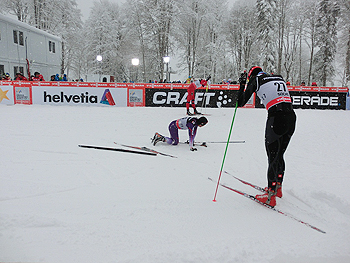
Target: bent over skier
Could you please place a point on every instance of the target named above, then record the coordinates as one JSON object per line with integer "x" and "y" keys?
{"x": 280, "y": 125}
{"x": 187, "y": 123}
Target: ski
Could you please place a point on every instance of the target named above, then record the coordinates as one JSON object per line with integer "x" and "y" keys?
{"x": 251, "y": 197}
{"x": 259, "y": 188}
{"x": 146, "y": 149}
{"x": 116, "y": 149}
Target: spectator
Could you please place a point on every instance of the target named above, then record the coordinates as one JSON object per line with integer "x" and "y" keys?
{"x": 57, "y": 77}
{"x": 7, "y": 77}
{"x": 52, "y": 78}
{"x": 188, "y": 80}
{"x": 302, "y": 83}
{"x": 38, "y": 77}
{"x": 19, "y": 76}
{"x": 314, "y": 84}
{"x": 288, "y": 83}
{"x": 64, "y": 77}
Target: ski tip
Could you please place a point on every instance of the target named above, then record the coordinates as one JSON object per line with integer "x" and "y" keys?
{"x": 214, "y": 200}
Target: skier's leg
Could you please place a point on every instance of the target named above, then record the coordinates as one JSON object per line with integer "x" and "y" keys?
{"x": 290, "y": 120}
{"x": 174, "y": 134}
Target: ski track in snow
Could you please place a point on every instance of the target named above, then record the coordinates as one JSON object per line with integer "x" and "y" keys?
{"x": 61, "y": 203}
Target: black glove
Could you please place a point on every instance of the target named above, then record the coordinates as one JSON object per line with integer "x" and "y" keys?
{"x": 243, "y": 78}
{"x": 193, "y": 149}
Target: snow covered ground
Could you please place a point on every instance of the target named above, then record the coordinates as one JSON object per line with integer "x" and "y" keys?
{"x": 61, "y": 203}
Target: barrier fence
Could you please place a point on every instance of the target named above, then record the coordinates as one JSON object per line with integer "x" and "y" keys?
{"x": 156, "y": 95}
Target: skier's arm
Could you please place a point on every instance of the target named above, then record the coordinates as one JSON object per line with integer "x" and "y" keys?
{"x": 192, "y": 130}
{"x": 244, "y": 95}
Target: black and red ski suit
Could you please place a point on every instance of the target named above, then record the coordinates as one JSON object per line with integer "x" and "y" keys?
{"x": 280, "y": 125}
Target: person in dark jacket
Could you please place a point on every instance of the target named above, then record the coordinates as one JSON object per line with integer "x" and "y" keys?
{"x": 280, "y": 125}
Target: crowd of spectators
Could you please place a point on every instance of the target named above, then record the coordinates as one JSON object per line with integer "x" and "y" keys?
{"x": 36, "y": 77}
{"x": 39, "y": 77}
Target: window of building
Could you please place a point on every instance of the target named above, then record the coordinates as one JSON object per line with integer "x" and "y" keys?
{"x": 15, "y": 37}
{"x": 18, "y": 69}
{"x": 2, "y": 70}
{"x": 21, "y": 39}
{"x": 52, "y": 47}
{"x": 18, "y": 37}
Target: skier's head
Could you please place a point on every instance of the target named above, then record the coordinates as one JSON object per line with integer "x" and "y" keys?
{"x": 254, "y": 71}
{"x": 202, "y": 121}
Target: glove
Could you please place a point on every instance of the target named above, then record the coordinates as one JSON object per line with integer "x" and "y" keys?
{"x": 193, "y": 149}
{"x": 243, "y": 78}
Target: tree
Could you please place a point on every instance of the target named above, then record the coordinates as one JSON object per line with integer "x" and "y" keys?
{"x": 19, "y": 8}
{"x": 344, "y": 41}
{"x": 266, "y": 10}
{"x": 326, "y": 39}
{"x": 190, "y": 28}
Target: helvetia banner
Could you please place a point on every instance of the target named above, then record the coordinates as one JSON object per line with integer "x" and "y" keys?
{"x": 80, "y": 96}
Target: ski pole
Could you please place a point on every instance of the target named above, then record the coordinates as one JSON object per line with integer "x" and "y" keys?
{"x": 223, "y": 159}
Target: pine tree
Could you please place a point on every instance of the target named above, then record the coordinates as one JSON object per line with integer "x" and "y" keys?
{"x": 326, "y": 40}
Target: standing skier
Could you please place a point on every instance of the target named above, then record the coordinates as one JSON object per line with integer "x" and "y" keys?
{"x": 280, "y": 125}
{"x": 187, "y": 123}
{"x": 191, "y": 97}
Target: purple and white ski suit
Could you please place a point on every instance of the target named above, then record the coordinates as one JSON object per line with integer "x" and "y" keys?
{"x": 186, "y": 123}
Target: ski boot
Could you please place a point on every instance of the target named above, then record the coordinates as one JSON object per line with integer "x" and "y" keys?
{"x": 279, "y": 190}
{"x": 157, "y": 138}
{"x": 189, "y": 113}
{"x": 196, "y": 112}
{"x": 268, "y": 198}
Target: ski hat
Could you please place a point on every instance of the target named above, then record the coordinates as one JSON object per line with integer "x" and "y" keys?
{"x": 254, "y": 71}
{"x": 203, "y": 82}
{"x": 202, "y": 121}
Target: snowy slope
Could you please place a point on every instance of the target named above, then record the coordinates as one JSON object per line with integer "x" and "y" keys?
{"x": 61, "y": 203}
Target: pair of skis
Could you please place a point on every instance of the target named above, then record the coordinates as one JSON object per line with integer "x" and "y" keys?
{"x": 261, "y": 189}
{"x": 135, "y": 149}
{"x": 146, "y": 149}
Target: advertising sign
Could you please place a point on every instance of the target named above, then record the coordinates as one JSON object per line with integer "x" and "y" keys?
{"x": 6, "y": 95}
{"x": 178, "y": 98}
{"x": 23, "y": 95}
{"x": 79, "y": 96}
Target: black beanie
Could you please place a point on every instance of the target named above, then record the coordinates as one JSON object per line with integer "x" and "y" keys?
{"x": 202, "y": 120}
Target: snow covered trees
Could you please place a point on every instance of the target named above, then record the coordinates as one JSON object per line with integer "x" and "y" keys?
{"x": 326, "y": 40}
{"x": 304, "y": 40}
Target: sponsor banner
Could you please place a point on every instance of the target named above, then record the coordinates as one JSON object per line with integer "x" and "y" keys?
{"x": 6, "y": 94}
{"x": 213, "y": 98}
{"x": 136, "y": 97}
{"x": 314, "y": 100}
{"x": 319, "y": 100}
{"x": 23, "y": 94}
{"x": 79, "y": 96}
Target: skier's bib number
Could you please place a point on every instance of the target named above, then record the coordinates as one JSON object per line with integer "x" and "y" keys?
{"x": 273, "y": 92}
